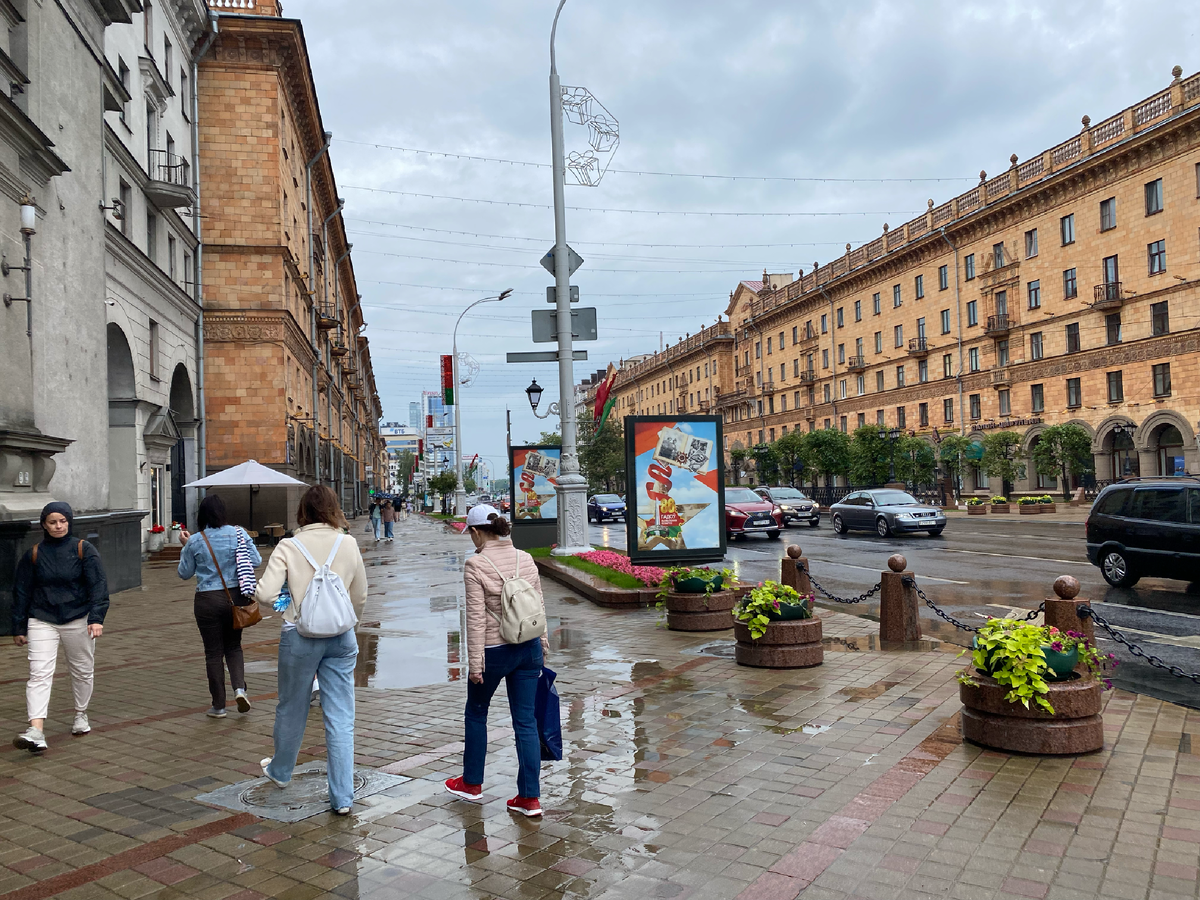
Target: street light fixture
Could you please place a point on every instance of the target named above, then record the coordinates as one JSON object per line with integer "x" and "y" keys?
{"x": 534, "y": 392}
{"x": 893, "y": 437}
{"x": 460, "y": 493}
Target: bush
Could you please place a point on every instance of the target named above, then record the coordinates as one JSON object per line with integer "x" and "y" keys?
{"x": 975, "y": 501}
{"x": 998, "y": 499}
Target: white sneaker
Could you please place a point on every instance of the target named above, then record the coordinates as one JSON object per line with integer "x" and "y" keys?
{"x": 266, "y": 762}
{"x": 81, "y": 725}
{"x": 31, "y": 739}
{"x": 243, "y": 702}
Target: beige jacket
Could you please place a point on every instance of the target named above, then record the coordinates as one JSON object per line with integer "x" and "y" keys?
{"x": 483, "y": 594}
{"x": 288, "y": 564}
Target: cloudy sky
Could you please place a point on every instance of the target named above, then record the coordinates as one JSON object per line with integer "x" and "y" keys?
{"x": 893, "y": 103}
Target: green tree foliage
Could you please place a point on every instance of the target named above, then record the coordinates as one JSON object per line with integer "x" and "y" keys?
{"x": 1000, "y": 449}
{"x": 792, "y": 461}
{"x": 953, "y": 454}
{"x": 827, "y": 452}
{"x": 602, "y": 456}
{"x": 1063, "y": 450}
{"x": 444, "y": 484}
{"x": 870, "y": 455}
{"x": 500, "y": 486}
{"x": 549, "y": 439}
{"x": 469, "y": 484}
{"x": 766, "y": 463}
{"x": 404, "y": 468}
{"x": 916, "y": 461}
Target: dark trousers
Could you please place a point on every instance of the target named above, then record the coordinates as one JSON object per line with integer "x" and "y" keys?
{"x": 519, "y": 666}
{"x": 222, "y": 643}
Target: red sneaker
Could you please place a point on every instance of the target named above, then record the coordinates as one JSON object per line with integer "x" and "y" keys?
{"x": 460, "y": 788}
{"x": 526, "y": 806}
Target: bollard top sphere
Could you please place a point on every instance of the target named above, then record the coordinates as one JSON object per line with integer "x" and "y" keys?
{"x": 897, "y": 563}
{"x": 794, "y": 551}
{"x": 1066, "y": 587}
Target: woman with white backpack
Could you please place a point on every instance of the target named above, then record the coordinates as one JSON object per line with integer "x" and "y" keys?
{"x": 506, "y": 641}
{"x": 316, "y": 578}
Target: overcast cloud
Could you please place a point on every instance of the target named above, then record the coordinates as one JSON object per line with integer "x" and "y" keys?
{"x": 931, "y": 90}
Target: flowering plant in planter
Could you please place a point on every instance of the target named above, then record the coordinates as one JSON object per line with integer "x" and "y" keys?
{"x": 1028, "y": 501}
{"x": 1045, "y": 498}
{"x": 712, "y": 579}
{"x": 177, "y": 526}
{"x": 650, "y": 576}
{"x": 765, "y": 602}
{"x": 157, "y": 529}
{"x": 975, "y": 501}
{"x": 999, "y": 501}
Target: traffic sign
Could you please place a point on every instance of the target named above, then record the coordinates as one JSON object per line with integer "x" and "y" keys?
{"x": 552, "y": 294}
{"x": 574, "y": 261}
{"x": 543, "y": 356}
{"x": 545, "y": 324}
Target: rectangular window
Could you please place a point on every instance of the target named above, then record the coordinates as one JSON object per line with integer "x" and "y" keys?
{"x": 1073, "y": 337}
{"x": 879, "y": 417}
{"x": 1154, "y": 197}
{"x": 1070, "y": 288}
{"x": 1112, "y": 328}
{"x": 1035, "y": 294}
{"x": 1198, "y": 179}
{"x": 843, "y": 424}
{"x": 947, "y": 365}
{"x": 795, "y": 368}
{"x": 973, "y": 359}
{"x": 900, "y": 376}
{"x": 922, "y": 370}
{"x": 824, "y": 324}
{"x": 825, "y": 358}
{"x": 972, "y": 312}
{"x": 1031, "y": 243}
{"x": 841, "y": 354}
{"x": 895, "y": 296}
{"x": 1074, "y": 397}
{"x": 879, "y": 380}
{"x": 857, "y": 310}
{"x": 875, "y": 302}
{"x": 898, "y": 334}
{"x": 769, "y": 346}
{"x": 919, "y": 286}
{"x": 862, "y": 385}
{"x": 152, "y": 236}
{"x": 1035, "y": 345}
{"x": 862, "y": 419}
{"x": 1002, "y": 303}
{"x": 1116, "y": 392}
{"x": 1066, "y": 226}
{"x": 858, "y": 347}
{"x": 943, "y": 277}
{"x": 154, "y": 350}
{"x": 187, "y": 272}
{"x": 125, "y": 196}
{"x": 842, "y": 389}
{"x": 945, "y": 321}
{"x": 1162, "y": 380}
{"x": 1108, "y": 214}
{"x": 841, "y": 321}
{"x": 973, "y": 403}
{"x": 948, "y": 411}
{"x": 123, "y": 77}
{"x": 1005, "y": 402}
{"x": 171, "y": 256}
{"x": 758, "y": 350}
{"x": 783, "y": 371}
{"x": 1037, "y": 398}
{"x": 879, "y": 342}
{"x": 1156, "y": 257}
{"x": 900, "y": 417}
{"x": 771, "y": 404}
{"x": 1002, "y": 353}
{"x": 184, "y": 96}
{"x": 998, "y": 255}
{"x": 921, "y": 328}
{"x": 1160, "y": 322}
{"x": 781, "y": 341}
{"x": 168, "y": 64}
{"x": 826, "y": 392}
{"x": 969, "y": 266}
{"x": 923, "y": 415}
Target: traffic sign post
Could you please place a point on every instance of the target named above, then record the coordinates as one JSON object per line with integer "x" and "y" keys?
{"x": 545, "y": 324}
{"x": 552, "y": 294}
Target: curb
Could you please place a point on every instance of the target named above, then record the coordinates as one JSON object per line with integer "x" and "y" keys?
{"x": 595, "y": 589}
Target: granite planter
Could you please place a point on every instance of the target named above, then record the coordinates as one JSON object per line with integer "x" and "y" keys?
{"x": 1074, "y": 727}
{"x": 978, "y": 509}
{"x": 1000, "y": 509}
{"x": 1047, "y": 507}
{"x": 154, "y": 542}
{"x": 1029, "y": 509}
{"x": 785, "y": 645}
{"x": 700, "y": 611}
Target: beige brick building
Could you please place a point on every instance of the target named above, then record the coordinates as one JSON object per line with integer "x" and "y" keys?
{"x": 289, "y": 381}
{"x": 1066, "y": 289}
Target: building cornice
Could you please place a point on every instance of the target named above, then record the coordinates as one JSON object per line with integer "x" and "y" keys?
{"x": 269, "y": 326}
{"x": 128, "y": 253}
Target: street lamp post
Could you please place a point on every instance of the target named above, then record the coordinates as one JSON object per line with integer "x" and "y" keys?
{"x": 893, "y": 437}
{"x": 460, "y": 493}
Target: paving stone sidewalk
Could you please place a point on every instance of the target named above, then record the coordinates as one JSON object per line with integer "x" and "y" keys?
{"x": 686, "y": 776}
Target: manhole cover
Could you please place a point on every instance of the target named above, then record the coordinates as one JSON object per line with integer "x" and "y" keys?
{"x": 719, "y": 649}
{"x": 307, "y": 795}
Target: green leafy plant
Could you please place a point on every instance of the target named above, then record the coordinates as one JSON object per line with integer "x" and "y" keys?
{"x": 998, "y": 500}
{"x": 710, "y": 577}
{"x": 1027, "y": 501}
{"x": 975, "y": 501}
{"x": 1045, "y": 498}
{"x": 754, "y": 609}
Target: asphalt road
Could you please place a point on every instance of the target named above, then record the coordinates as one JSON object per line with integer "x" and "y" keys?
{"x": 982, "y": 567}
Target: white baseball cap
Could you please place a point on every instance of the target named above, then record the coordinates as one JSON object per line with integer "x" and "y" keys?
{"x": 478, "y": 515}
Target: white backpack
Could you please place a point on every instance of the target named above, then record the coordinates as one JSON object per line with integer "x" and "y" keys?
{"x": 521, "y": 615}
{"x": 326, "y": 610}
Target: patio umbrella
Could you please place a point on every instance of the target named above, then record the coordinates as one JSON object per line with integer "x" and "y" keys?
{"x": 249, "y": 475}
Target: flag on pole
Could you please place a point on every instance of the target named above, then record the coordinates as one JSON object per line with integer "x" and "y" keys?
{"x": 474, "y": 462}
{"x": 604, "y": 398}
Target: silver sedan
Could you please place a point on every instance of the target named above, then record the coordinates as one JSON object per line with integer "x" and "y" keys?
{"x": 885, "y": 511}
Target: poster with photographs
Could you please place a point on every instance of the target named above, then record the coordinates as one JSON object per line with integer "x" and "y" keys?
{"x": 533, "y": 484}
{"x": 677, "y": 489}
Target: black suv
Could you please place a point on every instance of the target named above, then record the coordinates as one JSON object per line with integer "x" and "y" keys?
{"x": 1146, "y": 527}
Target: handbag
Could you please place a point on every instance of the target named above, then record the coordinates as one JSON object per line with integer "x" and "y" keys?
{"x": 244, "y": 615}
{"x": 546, "y": 712}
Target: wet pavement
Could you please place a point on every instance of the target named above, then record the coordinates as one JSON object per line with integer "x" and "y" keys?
{"x": 685, "y": 775}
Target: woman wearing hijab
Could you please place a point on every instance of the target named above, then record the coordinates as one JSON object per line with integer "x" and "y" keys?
{"x": 211, "y": 555}
{"x": 60, "y": 595}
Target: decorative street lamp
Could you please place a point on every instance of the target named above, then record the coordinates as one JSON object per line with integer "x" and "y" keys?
{"x": 893, "y": 437}
{"x": 534, "y": 392}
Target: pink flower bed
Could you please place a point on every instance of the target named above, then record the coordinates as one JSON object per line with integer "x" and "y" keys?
{"x": 648, "y": 575}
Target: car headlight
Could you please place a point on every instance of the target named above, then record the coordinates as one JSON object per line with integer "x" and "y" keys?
{"x": 777, "y": 511}
{"x": 904, "y": 515}
{"x": 784, "y": 507}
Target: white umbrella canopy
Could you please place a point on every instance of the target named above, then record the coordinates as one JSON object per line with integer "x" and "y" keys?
{"x": 246, "y": 474}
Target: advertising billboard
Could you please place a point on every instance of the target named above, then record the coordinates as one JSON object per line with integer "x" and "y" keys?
{"x": 532, "y": 488}
{"x": 677, "y": 487}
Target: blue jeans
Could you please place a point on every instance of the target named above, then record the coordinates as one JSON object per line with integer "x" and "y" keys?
{"x": 375, "y": 525}
{"x": 301, "y": 658}
{"x": 387, "y": 529}
{"x": 519, "y": 666}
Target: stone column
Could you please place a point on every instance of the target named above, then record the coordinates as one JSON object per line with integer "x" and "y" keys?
{"x": 793, "y": 571}
{"x": 1062, "y": 611}
{"x": 898, "y": 617}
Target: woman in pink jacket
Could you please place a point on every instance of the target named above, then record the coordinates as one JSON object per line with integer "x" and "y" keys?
{"x": 491, "y": 660}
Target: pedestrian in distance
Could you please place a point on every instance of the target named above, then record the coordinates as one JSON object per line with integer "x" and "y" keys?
{"x": 492, "y": 660}
{"x": 60, "y": 596}
{"x": 319, "y": 543}
{"x": 376, "y": 514}
{"x": 211, "y": 556}
{"x": 388, "y": 514}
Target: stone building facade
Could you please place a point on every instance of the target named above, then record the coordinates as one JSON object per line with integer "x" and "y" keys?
{"x": 289, "y": 380}
{"x": 1066, "y": 289}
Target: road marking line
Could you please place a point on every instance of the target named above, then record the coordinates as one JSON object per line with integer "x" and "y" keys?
{"x": 1074, "y": 562}
{"x": 869, "y": 569}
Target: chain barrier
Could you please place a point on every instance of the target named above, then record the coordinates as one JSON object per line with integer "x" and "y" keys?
{"x": 1086, "y": 612}
{"x": 911, "y": 582}
{"x": 836, "y": 599}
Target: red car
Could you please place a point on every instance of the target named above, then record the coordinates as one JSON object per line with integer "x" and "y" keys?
{"x": 748, "y": 513}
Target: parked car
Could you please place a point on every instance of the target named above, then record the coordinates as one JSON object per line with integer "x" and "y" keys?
{"x": 1146, "y": 527}
{"x": 602, "y": 507}
{"x": 748, "y": 513}
{"x": 794, "y": 504}
{"x": 885, "y": 511}
{"x": 505, "y": 504}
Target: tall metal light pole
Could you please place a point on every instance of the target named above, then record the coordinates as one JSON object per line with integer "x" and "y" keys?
{"x": 571, "y": 487}
{"x": 460, "y": 493}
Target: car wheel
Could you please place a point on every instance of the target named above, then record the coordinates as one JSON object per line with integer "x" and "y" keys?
{"x": 934, "y": 532}
{"x": 838, "y": 526}
{"x": 882, "y": 528}
{"x": 773, "y": 535}
{"x": 1115, "y": 568}
{"x": 813, "y": 523}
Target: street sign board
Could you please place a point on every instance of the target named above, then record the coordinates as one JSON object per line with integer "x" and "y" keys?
{"x": 545, "y": 325}
{"x": 543, "y": 356}
{"x": 552, "y": 294}
{"x": 574, "y": 261}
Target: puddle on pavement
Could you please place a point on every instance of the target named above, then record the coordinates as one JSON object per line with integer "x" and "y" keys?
{"x": 870, "y": 692}
{"x": 863, "y": 642}
{"x": 717, "y": 649}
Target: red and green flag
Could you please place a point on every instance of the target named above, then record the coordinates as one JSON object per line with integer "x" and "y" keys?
{"x": 605, "y": 398}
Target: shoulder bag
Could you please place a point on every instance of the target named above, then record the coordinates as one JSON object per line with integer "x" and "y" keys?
{"x": 243, "y": 615}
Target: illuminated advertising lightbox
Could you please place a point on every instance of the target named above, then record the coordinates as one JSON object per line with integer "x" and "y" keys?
{"x": 675, "y": 467}
{"x": 534, "y": 480}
